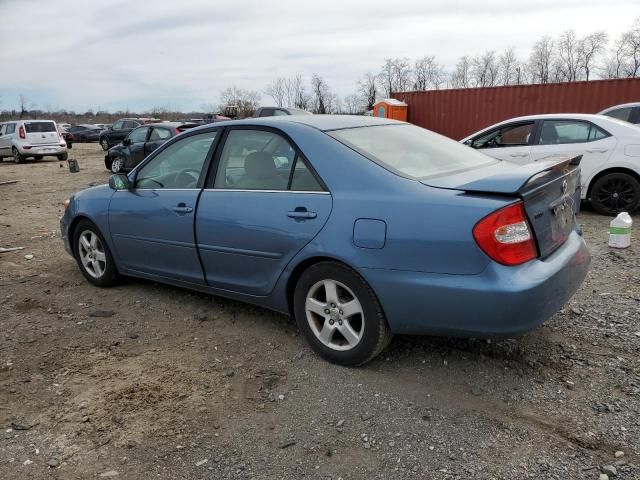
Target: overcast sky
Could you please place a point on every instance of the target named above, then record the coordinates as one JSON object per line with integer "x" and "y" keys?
{"x": 118, "y": 54}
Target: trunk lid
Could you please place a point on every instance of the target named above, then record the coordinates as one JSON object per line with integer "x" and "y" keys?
{"x": 41, "y": 133}
{"x": 549, "y": 188}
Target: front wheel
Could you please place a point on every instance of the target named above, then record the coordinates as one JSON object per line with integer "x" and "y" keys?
{"x": 117, "y": 165}
{"x": 104, "y": 143}
{"x": 614, "y": 193}
{"x": 93, "y": 255}
{"x": 339, "y": 314}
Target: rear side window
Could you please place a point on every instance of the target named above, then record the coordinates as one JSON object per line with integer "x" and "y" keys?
{"x": 40, "y": 127}
{"x": 558, "y": 132}
{"x": 411, "y": 151}
{"x": 11, "y": 128}
{"x": 159, "y": 134}
{"x": 621, "y": 113}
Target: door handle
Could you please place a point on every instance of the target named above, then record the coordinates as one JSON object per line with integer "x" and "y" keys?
{"x": 597, "y": 150}
{"x": 521, "y": 154}
{"x": 302, "y": 213}
{"x": 182, "y": 208}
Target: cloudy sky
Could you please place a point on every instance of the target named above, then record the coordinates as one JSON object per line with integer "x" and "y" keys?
{"x": 118, "y": 54}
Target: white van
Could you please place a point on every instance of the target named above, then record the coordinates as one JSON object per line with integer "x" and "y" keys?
{"x": 35, "y": 139}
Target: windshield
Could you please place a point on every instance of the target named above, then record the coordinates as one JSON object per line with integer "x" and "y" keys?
{"x": 411, "y": 151}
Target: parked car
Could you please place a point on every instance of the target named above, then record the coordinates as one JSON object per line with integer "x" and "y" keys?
{"x": 64, "y": 126}
{"x": 279, "y": 111}
{"x": 120, "y": 129}
{"x": 35, "y": 139}
{"x": 84, "y": 133}
{"x": 629, "y": 112}
{"x": 68, "y": 137}
{"x": 610, "y": 151}
{"x": 360, "y": 227}
{"x": 141, "y": 142}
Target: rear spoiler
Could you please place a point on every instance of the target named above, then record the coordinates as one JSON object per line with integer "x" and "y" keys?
{"x": 512, "y": 181}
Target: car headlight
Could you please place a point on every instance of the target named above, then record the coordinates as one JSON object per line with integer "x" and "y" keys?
{"x": 66, "y": 203}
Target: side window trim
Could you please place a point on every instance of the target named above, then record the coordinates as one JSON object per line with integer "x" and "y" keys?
{"x": 222, "y": 139}
{"x": 534, "y": 132}
{"x": 591, "y": 125}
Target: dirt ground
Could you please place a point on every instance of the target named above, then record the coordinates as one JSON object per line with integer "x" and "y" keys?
{"x": 145, "y": 380}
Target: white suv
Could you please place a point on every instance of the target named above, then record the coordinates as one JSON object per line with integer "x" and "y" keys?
{"x": 22, "y": 139}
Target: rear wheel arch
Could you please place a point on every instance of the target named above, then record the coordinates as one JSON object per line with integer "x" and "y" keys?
{"x": 601, "y": 174}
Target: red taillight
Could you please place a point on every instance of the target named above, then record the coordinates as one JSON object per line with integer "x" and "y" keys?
{"x": 21, "y": 133}
{"x": 505, "y": 236}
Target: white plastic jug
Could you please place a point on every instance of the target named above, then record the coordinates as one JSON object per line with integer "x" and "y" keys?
{"x": 620, "y": 231}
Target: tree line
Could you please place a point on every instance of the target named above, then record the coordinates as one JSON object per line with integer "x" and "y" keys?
{"x": 565, "y": 58}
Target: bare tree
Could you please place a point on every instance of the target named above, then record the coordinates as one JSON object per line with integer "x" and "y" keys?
{"x": 323, "y": 100}
{"x": 590, "y": 48}
{"x": 540, "y": 60}
{"x": 509, "y": 67}
{"x": 354, "y": 104}
{"x": 278, "y": 91}
{"x": 395, "y": 76}
{"x": 614, "y": 65}
{"x": 25, "y": 105}
{"x": 367, "y": 88}
{"x": 461, "y": 76}
{"x": 428, "y": 74}
{"x": 246, "y": 101}
{"x": 484, "y": 69}
{"x": 569, "y": 55}
{"x": 631, "y": 41}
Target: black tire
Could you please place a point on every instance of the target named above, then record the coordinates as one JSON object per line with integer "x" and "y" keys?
{"x": 38, "y": 157}
{"x": 371, "y": 325}
{"x": 107, "y": 163}
{"x": 104, "y": 143}
{"x": 63, "y": 156}
{"x": 614, "y": 193}
{"x": 117, "y": 165}
{"x": 110, "y": 276}
{"x": 17, "y": 156}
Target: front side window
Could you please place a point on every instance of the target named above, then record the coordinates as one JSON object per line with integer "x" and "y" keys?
{"x": 411, "y": 151}
{"x": 262, "y": 160}
{"x": 620, "y": 113}
{"x": 118, "y": 125}
{"x": 177, "y": 166}
{"x": 138, "y": 135}
{"x": 277, "y": 112}
{"x": 159, "y": 134}
{"x": 555, "y": 132}
{"x": 266, "y": 112}
{"x": 512, "y": 135}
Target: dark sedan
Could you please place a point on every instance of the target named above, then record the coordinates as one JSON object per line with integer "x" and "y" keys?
{"x": 141, "y": 142}
{"x": 117, "y": 131}
{"x": 85, "y": 133}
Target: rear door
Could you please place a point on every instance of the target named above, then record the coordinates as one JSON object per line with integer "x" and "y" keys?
{"x": 157, "y": 137}
{"x": 263, "y": 206}
{"x": 511, "y": 141}
{"x": 5, "y": 139}
{"x": 572, "y": 138}
{"x": 41, "y": 133}
{"x": 137, "y": 138}
{"x": 152, "y": 226}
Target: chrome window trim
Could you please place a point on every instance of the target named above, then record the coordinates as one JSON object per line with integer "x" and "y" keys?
{"x": 264, "y": 191}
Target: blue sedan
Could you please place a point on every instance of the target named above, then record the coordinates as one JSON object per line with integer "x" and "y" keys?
{"x": 359, "y": 227}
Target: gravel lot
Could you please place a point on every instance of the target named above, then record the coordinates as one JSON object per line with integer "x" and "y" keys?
{"x": 146, "y": 380}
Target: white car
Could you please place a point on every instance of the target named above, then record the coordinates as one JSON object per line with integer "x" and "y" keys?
{"x": 610, "y": 150}
{"x": 629, "y": 112}
{"x": 22, "y": 139}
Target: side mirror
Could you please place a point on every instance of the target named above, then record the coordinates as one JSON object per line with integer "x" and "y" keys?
{"x": 120, "y": 181}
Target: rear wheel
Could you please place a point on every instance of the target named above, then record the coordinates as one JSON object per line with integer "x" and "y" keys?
{"x": 93, "y": 255}
{"x": 614, "y": 193}
{"x": 63, "y": 156}
{"x": 17, "y": 156}
{"x": 104, "y": 143}
{"x": 339, "y": 314}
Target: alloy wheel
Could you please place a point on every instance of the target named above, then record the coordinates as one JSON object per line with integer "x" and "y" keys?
{"x": 616, "y": 194}
{"x": 105, "y": 144}
{"x": 335, "y": 315}
{"x": 92, "y": 255}
{"x": 116, "y": 165}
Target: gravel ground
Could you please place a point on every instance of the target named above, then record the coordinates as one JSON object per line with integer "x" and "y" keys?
{"x": 145, "y": 380}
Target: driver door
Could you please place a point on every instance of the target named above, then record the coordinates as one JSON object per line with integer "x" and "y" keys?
{"x": 511, "y": 142}
{"x": 137, "y": 139}
{"x": 152, "y": 226}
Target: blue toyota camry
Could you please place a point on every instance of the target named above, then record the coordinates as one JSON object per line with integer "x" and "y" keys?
{"x": 359, "y": 227}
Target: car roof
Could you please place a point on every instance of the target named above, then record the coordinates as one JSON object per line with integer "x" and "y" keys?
{"x": 167, "y": 124}
{"x": 320, "y": 122}
{"x": 622, "y": 105}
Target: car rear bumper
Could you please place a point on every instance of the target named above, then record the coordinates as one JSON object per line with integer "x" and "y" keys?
{"x": 42, "y": 149}
{"x": 500, "y": 301}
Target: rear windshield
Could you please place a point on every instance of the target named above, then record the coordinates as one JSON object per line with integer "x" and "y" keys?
{"x": 39, "y": 127}
{"x": 411, "y": 151}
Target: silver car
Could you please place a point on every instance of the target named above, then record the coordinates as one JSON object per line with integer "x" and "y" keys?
{"x": 22, "y": 139}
